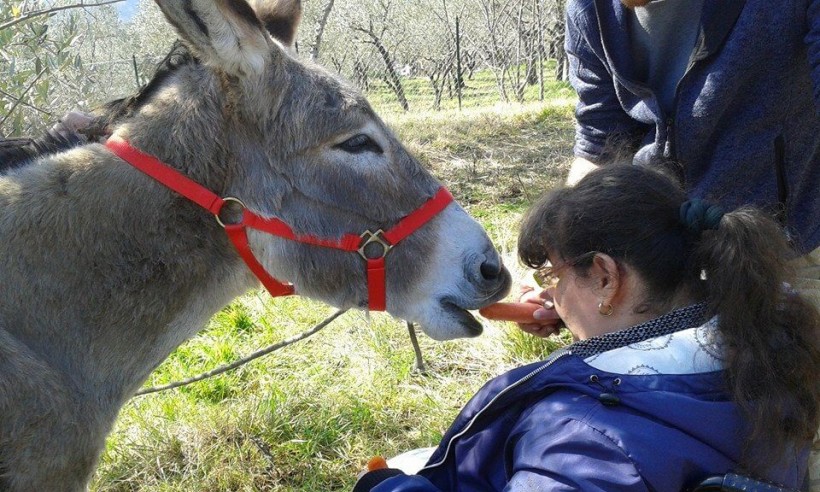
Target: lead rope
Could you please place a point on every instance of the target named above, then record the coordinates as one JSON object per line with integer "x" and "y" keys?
{"x": 273, "y": 348}
{"x": 244, "y": 360}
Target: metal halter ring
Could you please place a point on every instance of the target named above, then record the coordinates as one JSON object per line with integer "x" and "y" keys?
{"x": 225, "y": 201}
{"x": 374, "y": 237}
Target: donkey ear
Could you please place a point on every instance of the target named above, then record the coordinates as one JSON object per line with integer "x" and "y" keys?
{"x": 280, "y": 17}
{"x": 225, "y": 34}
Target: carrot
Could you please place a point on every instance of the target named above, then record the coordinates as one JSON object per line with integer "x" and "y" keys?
{"x": 518, "y": 312}
{"x": 376, "y": 463}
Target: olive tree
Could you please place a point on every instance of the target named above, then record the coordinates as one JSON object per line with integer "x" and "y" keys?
{"x": 47, "y": 59}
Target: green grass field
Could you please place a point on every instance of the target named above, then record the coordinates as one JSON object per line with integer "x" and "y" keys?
{"x": 306, "y": 418}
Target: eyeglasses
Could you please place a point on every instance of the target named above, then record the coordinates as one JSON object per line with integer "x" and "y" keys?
{"x": 546, "y": 276}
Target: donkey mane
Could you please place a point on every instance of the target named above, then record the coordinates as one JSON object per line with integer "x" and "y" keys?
{"x": 16, "y": 152}
{"x": 119, "y": 109}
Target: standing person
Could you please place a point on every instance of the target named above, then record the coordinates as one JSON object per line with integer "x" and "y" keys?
{"x": 724, "y": 93}
{"x": 729, "y": 90}
{"x": 694, "y": 357}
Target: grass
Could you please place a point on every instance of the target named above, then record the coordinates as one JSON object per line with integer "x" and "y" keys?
{"x": 306, "y": 418}
{"x": 480, "y": 91}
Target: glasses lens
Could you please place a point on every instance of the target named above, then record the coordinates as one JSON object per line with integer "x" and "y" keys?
{"x": 545, "y": 278}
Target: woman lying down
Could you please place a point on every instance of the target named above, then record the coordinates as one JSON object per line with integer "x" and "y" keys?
{"x": 693, "y": 356}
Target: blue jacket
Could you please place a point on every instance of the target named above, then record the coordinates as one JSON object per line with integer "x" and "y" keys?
{"x": 746, "y": 125}
{"x": 567, "y": 425}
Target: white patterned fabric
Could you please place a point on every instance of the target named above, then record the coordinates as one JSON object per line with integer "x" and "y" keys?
{"x": 689, "y": 351}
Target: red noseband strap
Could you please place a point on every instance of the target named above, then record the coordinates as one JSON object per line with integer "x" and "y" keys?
{"x": 238, "y": 233}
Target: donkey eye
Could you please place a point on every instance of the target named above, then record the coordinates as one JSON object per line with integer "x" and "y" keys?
{"x": 360, "y": 143}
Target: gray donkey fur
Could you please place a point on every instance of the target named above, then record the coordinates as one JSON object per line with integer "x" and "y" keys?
{"x": 103, "y": 272}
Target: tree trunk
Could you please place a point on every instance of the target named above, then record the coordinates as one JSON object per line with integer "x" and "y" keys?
{"x": 392, "y": 77}
{"x": 320, "y": 31}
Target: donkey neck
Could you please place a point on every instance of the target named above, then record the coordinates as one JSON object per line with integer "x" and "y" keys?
{"x": 185, "y": 125}
{"x": 125, "y": 269}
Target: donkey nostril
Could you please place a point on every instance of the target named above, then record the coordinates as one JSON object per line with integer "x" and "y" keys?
{"x": 490, "y": 270}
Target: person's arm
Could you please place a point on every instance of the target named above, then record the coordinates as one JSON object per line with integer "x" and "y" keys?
{"x": 569, "y": 457}
{"x": 392, "y": 480}
{"x": 576, "y": 457}
{"x": 813, "y": 44}
{"x": 601, "y": 121}
{"x": 580, "y": 168}
{"x": 65, "y": 134}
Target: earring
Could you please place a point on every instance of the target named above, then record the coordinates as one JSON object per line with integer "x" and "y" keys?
{"x": 605, "y": 310}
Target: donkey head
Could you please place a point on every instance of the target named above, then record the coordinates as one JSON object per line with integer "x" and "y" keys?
{"x": 294, "y": 142}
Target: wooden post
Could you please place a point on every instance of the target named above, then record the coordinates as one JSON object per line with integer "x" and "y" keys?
{"x": 459, "y": 79}
{"x": 136, "y": 72}
{"x": 540, "y": 21}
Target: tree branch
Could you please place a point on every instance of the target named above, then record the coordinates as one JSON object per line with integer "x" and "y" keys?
{"x": 37, "y": 13}
{"x": 23, "y": 103}
{"x": 23, "y": 95}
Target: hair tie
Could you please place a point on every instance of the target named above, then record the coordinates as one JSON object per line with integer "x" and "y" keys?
{"x": 697, "y": 215}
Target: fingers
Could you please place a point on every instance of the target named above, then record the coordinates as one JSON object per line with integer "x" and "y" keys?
{"x": 548, "y": 322}
{"x": 528, "y": 294}
{"x": 541, "y": 330}
{"x": 75, "y": 121}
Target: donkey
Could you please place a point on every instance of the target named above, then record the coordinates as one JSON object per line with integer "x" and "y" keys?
{"x": 104, "y": 270}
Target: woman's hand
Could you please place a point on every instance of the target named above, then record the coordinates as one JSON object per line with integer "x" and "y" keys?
{"x": 547, "y": 320}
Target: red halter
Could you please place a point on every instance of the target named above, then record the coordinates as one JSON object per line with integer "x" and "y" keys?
{"x": 376, "y": 281}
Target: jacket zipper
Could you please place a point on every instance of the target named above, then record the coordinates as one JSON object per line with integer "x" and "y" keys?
{"x": 780, "y": 175}
{"x": 490, "y": 403}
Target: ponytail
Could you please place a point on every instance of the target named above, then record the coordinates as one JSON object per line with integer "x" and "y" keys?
{"x": 769, "y": 332}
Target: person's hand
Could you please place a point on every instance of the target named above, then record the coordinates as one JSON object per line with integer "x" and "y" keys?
{"x": 376, "y": 471}
{"x": 548, "y": 322}
{"x": 72, "y": 127}
{"x": 374, "y": 463}
{"x": 75, "y": 121}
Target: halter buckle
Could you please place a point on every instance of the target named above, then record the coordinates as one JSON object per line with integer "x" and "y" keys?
{"x": 225, "y": 201}
{"x": 374, "y": 237}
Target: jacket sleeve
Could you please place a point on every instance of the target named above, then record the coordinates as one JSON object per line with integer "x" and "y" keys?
{"x": 813, "y": 45}
{"x": 406, "y": 483}
{"x": 599, "y": 114}
{"x": 576, "y": 457}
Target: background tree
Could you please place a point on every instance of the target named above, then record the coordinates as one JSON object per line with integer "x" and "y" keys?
{"x": 61, "y": 55}
{"x": 48, "y": 59}
{"x": 505, "y": 37}
{"x": 377, "y": 24}
{"x": 321, "y": 23}
{"x": 435, "y": 56}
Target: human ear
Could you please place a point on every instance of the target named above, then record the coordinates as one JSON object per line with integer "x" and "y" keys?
{"x": 606, "y": 277}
